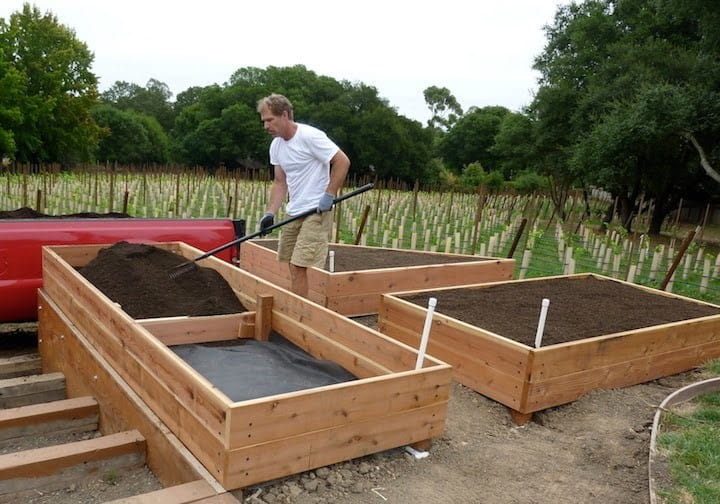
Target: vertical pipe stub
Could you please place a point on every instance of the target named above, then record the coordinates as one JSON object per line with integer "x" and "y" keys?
{"x": 541, "y": 323}
{"x": 432, "y": 302}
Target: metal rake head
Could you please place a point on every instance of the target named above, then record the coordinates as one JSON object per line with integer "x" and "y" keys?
{"x": 181, "y": 269}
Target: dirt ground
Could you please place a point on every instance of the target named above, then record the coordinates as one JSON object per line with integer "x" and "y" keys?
{"x": 592, "y": 450}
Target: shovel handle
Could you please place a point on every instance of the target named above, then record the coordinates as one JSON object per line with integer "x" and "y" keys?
{"x": 268, "y": 229}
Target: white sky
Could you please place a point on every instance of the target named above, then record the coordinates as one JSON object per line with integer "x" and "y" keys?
{"x": 481, "y": 50}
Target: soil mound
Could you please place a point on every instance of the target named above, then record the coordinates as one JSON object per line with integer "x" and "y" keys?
{"x": 136, "y": 276}
{"x": 29, "y": 213}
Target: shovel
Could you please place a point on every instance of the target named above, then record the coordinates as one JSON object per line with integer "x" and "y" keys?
{"x": 188, "y": 266}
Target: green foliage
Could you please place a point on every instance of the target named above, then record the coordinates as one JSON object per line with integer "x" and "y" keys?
{"x": 130, "y": 137}
{"x": 692, "y": 446}
{"x": 472, "y": 138}
{"x": 625, "y": 85}
{"x": 44, "y": 61}
{"x": 529, "y": 181}
{"x": 152, "y": 100}
{"x": 443, "y": 106}
{"x": 514, "y": 143}
{"x": 13, "y": 90}
{"x": 472, "y": 175}
{"x": 713, "y": 367}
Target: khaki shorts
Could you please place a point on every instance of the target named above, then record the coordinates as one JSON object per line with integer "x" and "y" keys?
{"x": 304, "y": 242}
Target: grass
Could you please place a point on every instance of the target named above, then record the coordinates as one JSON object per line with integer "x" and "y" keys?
{"x": 691, "y": 443}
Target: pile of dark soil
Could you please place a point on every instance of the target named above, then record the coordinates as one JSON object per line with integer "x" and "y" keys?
{"x": 364, "y": 258}
{"x": 29, "y": 213}
{"x": 136, "y": 276}
{"x": 579, "y": 308}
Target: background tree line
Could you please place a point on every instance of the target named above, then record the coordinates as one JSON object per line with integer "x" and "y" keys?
{"x": 628, "y": 100}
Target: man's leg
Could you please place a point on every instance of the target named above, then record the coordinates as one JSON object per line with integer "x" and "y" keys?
{"x": 299, "y": 281}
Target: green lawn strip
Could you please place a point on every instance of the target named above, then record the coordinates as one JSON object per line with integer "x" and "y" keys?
{"x": 690, "y": 441}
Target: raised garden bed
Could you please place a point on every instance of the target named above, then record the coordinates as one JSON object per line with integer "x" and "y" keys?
{"x": 362, "y": 274}
{"x": 600, "y": 333}
{"x": 390, "y": 403}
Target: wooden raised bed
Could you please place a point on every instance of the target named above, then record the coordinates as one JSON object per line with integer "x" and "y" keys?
{"x": 527, "y": 379}
{"x": 242, "y": 443}
{"x": 355, "y": 293}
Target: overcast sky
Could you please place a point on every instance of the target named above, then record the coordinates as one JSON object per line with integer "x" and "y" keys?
{"x": 481, "y": 50}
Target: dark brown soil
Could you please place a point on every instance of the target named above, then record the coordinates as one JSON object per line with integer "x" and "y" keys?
{"x": 29, "y": 213}
{"x": 136, "y": 276}
{"x": 579, "y": 308}
{"x": 361, "y": 258}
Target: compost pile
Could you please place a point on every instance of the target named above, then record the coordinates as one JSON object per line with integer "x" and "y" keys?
{"x": 29, "y": 213}
{"x": 136, "y": 276}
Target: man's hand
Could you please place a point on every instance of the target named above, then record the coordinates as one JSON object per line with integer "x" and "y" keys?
{"x": 326, "y": 202}
{"x": 267, "y": 221}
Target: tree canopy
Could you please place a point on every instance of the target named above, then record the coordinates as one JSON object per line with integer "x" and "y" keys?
{"x": 50, "y": 89}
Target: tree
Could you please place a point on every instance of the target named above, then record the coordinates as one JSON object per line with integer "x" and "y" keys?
{"x": 152, "y": 100}
{"x": 629, "y": 98}
{"x": 11, "y": 98}
{"x": 130, "y": 137}
{"x": 472, "y": 138}
{"x": 443, "y": 106}
{"x": 513, "y": 144}
{"x": 52, "y": 67}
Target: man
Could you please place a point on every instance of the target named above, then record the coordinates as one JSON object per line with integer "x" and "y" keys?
{"x": 311, "y": 169}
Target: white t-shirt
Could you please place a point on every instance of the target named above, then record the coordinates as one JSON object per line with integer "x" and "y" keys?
{"x": 305, "y": 159}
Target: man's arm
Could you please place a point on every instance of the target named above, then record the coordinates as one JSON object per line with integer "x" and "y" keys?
{"x": 278, "y": 191}
{"x": 339, "y": 167}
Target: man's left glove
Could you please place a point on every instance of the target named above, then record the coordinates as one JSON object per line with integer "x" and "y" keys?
{"x": 326, "y": 202}
{"x": 267, "y": 221}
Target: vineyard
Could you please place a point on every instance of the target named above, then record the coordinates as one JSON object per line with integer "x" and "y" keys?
{"x": 469, "y": 223}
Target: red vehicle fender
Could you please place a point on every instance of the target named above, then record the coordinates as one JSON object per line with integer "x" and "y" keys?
{"x": 21, "y": 242}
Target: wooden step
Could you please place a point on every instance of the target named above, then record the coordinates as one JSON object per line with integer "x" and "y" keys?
{"x": 54, "y": 467}
{"x": 20, "y": 365}
{"x": 68, "y": 415}
{"x": 178, "y": 494}
{"x": 226, "y": 498}
{"x": 34, "y": 389}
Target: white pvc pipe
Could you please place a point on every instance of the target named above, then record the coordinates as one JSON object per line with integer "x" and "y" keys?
{"x": 331, "y": 261}
{"x": 541, "y": 322}
{"x": 432, "y": 302}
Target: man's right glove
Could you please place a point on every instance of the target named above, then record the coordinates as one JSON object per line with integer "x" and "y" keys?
{"x": 267, "y": 220}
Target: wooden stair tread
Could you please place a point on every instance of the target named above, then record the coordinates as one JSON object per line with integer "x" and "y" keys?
{"x": 67, "y": 415}
{"x": 47, "y": 460}
{"x": 20, "y": 365}
{"x": 179, "y": 494}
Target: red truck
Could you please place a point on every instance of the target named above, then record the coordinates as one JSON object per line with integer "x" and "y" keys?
{"x": 21, "y": 241}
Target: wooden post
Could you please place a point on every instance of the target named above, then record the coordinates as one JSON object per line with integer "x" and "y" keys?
{"x": 478, "y": 218}
{"x": 125, "y": 202}
{"x": 704, "y": 221}
{"x": 517, "y": 238}
{"x": 38, "y": 200}
{"x": 263, "y": 317}
{"x": 678, "y": 257}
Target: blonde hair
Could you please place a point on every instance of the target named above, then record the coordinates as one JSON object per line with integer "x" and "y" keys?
{"x": 276, "y": 104}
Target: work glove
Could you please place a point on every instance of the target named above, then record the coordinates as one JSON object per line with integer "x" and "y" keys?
{"x": 326, "y": 202}
{"x": 267, "y": 220}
